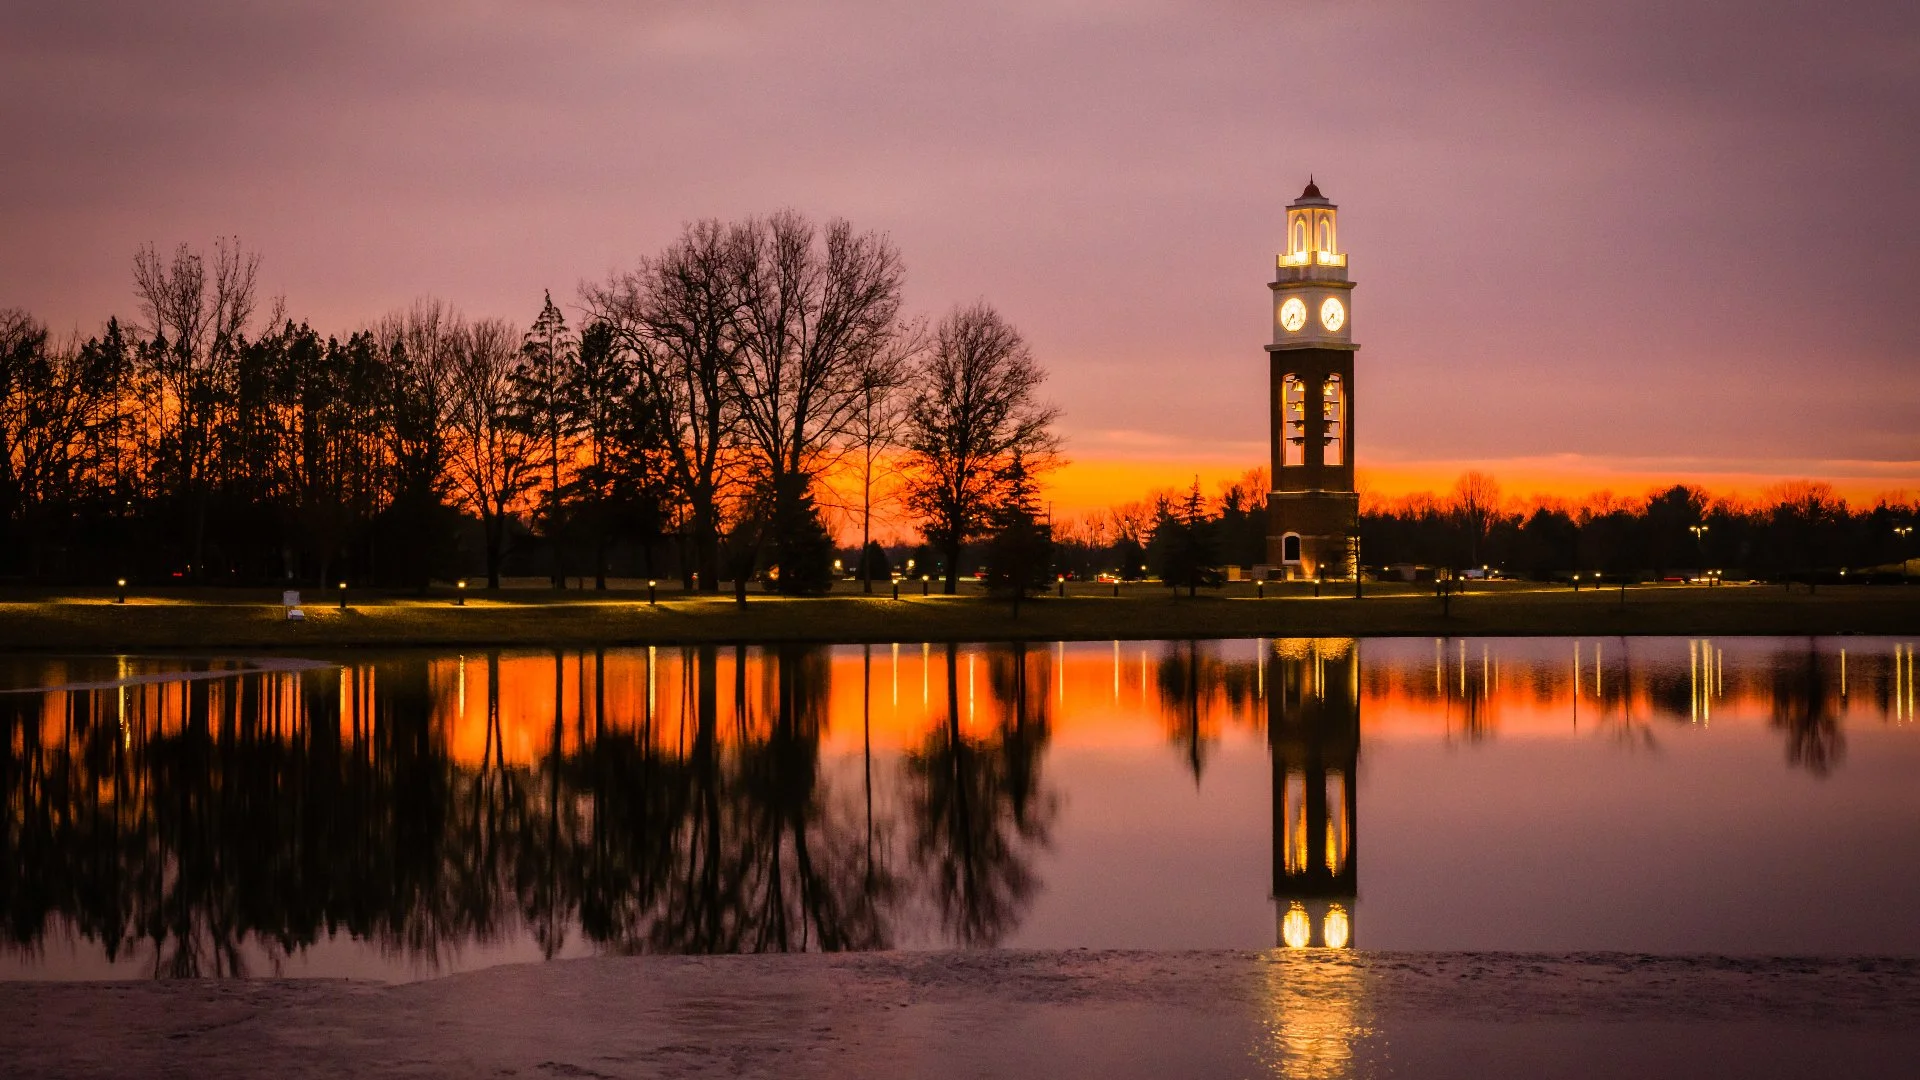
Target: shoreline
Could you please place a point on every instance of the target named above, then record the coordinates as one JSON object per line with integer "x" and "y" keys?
{"x": 249, "y": 620}
{"x": 993, "y": 1013}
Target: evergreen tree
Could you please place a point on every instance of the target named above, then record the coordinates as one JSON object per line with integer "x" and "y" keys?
{"x": 801, "y": 548}
{"x": 543, "y": 385}
{"x": 874, "y": 564}
{"x": 1020, "y": 551}
{"x": 1183, "y": 542}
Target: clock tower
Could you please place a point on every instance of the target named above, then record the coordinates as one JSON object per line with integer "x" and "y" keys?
{"x": 1313, "y": 509}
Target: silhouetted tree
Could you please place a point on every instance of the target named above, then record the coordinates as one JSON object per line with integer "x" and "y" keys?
{"x": 974, "y": 407}
{"x": 1020, "y": 551}
{"x": 1182, "y": 544}
{"x": 544, "y": 382}
{"x": 492, "y": 453}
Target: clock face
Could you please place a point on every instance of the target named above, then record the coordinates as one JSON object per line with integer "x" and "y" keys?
{"x": 1293, "y": 314}
{"x": 1333, "y": 315}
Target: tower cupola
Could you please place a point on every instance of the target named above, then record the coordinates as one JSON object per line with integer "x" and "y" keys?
{"x": 1313, "y": 237}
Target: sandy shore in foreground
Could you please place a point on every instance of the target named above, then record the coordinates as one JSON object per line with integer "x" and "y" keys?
{"x": 995, "y": 1014}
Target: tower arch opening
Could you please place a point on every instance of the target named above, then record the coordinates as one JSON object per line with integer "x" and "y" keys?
{"x": 1333, "y": 421}
{"x": 1293, "y": 414}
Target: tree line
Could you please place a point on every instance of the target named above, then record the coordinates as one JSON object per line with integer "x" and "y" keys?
{"x": 1795, "y": 531}
{"x": 715, "y": 399}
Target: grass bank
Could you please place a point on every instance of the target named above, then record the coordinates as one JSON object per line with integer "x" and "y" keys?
{"x": 254, "y": 620}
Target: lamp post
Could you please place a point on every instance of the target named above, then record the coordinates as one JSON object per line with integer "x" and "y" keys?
{"x": 1699, "y": 540}
{"x": 653, "y": 598}
{"x": 1062, "y": 580}
{"x": 896, "y": 586}
{"x": 924, "y": 580}
{"x": 122, "y": 583}
{"x": 1353, "y": 549}
{"x": 1576, "y": 583}
{"x": 1903, "y": 531}
{"x": 343, "y": 596}
{"x": 460, "y": 597}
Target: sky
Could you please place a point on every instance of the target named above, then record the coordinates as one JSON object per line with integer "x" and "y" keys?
{"x": 1596, "y": 245}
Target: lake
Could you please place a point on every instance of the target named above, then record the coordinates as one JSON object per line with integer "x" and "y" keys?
{"x": 399, "y": 816}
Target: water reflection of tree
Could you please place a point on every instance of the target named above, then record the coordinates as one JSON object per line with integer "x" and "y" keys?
{"x": 1196, "y": 687}
{"x": 977, "y": 805}
{"x": 250, "y": 819}
{"x": 1803, "y": 707}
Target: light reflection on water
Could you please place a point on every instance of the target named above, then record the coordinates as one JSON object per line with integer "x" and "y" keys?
{"x": 1317, "y": 1022}
{"x": 416, "y": 814}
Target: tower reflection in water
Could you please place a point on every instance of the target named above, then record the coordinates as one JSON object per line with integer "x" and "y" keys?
{"x": 1316, "y": 1017}
{"x": 1313, "y": 726}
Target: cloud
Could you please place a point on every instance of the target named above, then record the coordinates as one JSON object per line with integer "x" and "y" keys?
{"x": 1636, "y": 228}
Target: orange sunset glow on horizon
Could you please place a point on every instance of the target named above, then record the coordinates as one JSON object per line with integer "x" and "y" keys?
{"x": 1095, "y": 484}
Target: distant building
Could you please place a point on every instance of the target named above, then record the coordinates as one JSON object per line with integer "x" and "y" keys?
{"x": 1313, "y": 511}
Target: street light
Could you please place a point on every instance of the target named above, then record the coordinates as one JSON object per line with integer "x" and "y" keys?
{"x": 1576, "y": 583}
{"x": 1062, "y": 579}
{"x": 123, "y": 591}
{"x": 653, "y": 601}
{"x": 923, "y": 579}
{"x": 460, "y": 598}
{"x": 1353, "y": 551}
{"x": 343, "y": 596}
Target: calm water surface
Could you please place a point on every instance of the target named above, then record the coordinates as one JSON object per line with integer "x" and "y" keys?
{"x": 413, "y": 814}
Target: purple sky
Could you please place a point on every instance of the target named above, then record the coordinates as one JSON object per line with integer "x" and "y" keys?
{"x": 1626, "y": 238}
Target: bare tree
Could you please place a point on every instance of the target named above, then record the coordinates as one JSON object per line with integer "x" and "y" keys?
{"x": 421, "y": 350}
{"x": 196, "y": 331}
{"x": 58, "y": 406}
{"x": 873, "y": 431}
{"x": 492, "y": 454}
{"x": 677, "y": 316}
{"x": 1476, "y": 504}
{"x": 972, "y": 411}
{"x": 819, "y": 312}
